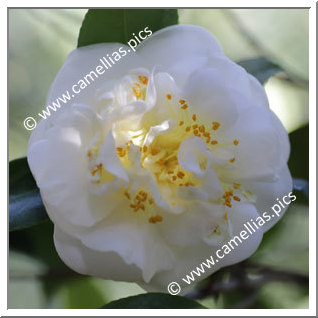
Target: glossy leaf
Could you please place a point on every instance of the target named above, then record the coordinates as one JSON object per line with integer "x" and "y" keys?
{"x": 118, "y": 25}
{"x": 299, "y": 155}
{"x": 153, "y": 301}
{"x": 25, "y": 204}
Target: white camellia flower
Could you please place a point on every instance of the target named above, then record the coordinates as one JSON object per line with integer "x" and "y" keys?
{"x": 152, "y": 167}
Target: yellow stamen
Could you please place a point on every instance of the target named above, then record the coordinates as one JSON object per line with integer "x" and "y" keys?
{"x": 121, "y": 152}
{"x": 180, "y": 174}
{"x": 169, "y": 96}
{"x": 154, "y": 219}
{"x": 136, "y": 90}
{"x": 127, "y": 195}
{"x": 97, "y": 168}
{"x": 161, "y": 161}
{"x": 143, "y": 79}
{"x": 215, "y": 125}
{"x": 154, "y": 151}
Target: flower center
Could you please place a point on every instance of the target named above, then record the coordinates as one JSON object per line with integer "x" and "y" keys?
{"x": 160, "y": 155}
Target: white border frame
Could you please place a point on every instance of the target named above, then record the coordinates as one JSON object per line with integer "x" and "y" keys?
{"x": 312, "y": 162}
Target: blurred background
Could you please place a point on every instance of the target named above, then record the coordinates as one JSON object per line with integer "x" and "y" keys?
{"x": 276, "y": 276}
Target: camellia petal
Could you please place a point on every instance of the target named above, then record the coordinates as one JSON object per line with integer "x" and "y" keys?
{"x": 155, "y": 166}
{"x": 91, "y": 262}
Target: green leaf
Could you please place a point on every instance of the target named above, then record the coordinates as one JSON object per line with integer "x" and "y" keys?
{"x": 25, "y": 204}
{"x": 118, "y": 25}
{"x": 299, "y": 155}
{"x": 37, "y": 242}
{"x": 299, "y": 162}
{"x": 261, "y": 68}
{"x": 153, "y": 301}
